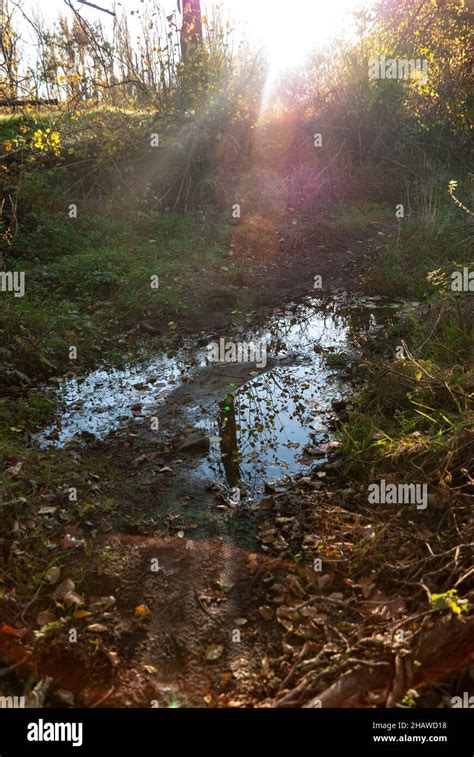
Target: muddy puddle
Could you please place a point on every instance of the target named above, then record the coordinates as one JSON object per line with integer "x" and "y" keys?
{"x": 263, "y": 422}
{"x": 199, "y": 511}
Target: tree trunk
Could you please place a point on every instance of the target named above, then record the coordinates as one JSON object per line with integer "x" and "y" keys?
{"x": 191, "y": 27}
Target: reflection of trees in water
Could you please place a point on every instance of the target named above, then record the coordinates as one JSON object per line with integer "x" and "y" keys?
{"x": 252, "y": 429}
{"x": 262, "y": 404}
{"x": 229, "y": 445}
{"x": 296, "y": 330}
{"x": 333, "y": 318}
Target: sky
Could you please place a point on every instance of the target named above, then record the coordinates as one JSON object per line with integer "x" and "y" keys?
{"x": 286, "y": 31}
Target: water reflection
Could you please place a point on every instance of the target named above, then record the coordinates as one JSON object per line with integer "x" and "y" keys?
{"x": 274, "y": 423}
{"x": 269, "y": 426}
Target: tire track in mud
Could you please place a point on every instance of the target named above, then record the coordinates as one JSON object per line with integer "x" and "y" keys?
{"x": 192, "y": 649}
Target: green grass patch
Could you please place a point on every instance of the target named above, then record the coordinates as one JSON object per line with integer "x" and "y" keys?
{"x": 89, "y": 281}
{"x": 439, "y": 234}
{"x": 357, "y": 218}
{"x": 414, "y": 416}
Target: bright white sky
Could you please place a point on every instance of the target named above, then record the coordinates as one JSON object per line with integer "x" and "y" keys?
{"x": 287, "y": 30}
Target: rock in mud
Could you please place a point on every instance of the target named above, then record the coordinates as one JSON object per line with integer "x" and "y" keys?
{"x": 194, "y": 444}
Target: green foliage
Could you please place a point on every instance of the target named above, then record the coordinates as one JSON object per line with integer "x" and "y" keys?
{"x": 449, "y": 600}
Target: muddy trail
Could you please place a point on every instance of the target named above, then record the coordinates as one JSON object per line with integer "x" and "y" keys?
{"x": 177, "y": 604}
{"x": 216, "y": 572}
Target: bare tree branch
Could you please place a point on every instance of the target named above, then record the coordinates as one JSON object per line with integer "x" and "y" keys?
{"x": 97, "y": 7}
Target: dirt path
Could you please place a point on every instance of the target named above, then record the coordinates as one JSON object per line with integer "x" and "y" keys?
{"x": 186, "y": 617}
{"x": 281, "y": 264}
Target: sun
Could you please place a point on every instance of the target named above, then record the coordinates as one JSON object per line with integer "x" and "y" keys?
{"x": 289, "y": 31}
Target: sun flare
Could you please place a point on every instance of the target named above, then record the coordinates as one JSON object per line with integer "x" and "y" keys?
{"x": 287, "y": 32}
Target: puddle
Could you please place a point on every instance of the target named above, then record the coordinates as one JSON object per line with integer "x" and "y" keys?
{"x": 278, "y": 423}
{"x": 103, "y": 400}
{"x": 261, "y": 429}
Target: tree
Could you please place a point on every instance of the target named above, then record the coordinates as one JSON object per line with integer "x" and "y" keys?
{"x": 191, "y": 27}
{"x": 9, "y": 55}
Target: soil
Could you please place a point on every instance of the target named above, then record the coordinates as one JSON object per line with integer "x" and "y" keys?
{"x": 280, "y": 265}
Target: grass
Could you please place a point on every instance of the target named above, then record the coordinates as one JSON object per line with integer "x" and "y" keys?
{"x": 414, "y": 416}
{"x": 90, "y": 281}
{"x": 357, "y": 218}
{"x": 438, "y": 235}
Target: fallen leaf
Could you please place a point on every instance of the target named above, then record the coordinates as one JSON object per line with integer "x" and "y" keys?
{"x": 140, "y": 459}
{"x": 97, "y": 628}
{"x": 63, "y": 589}
{"x": 10, "y": 631}
{"x": 386, "y": 608}
{"x": 72, "y": 598}
{"x": 106, "y": 601}
{"x": 14, "y": 469}
{"x": 52, "y": 575}
{"x": 368, "y": 533}
{"x": 167, "y": 470}
{"x": 78, "y": 614}
{"x": 45, "y": 617}
{"x": 71, "y": 542}
{"x": 266, "y": 612}
{"x": 142, "y": 611}
{"x": 214, "y": 651}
